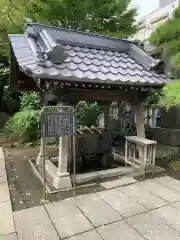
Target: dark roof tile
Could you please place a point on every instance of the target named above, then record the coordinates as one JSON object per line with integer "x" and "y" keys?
{"x": 84, "y": 63}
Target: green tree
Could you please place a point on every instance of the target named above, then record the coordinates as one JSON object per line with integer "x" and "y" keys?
{"x": 170, "y": 96}
{"x": 109, "y": 17}
{"x": 167, "y": 36}
{"x": 12, "y": 13}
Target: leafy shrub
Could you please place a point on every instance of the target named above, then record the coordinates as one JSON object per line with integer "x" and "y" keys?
{"x": 10, "y": 102}
{"x": 24, "y": 125}
{"x": 87, "y": 113}
{"x": 170, "y": 95}
{"x": 30, "y": 100}
{"x": 4, "y": 76}
{"x": 176, "y": 13}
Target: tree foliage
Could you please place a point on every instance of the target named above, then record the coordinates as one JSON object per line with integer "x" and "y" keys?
{"x": 30, "y": 101}
{"x": 87, "y": 113}
{"x": 12, "y": 13}
{"x": 109, "y": 17}
{"x": 168, "y": 36}
{"x": 170, "y": 96}
{"x": 25, "y": 123}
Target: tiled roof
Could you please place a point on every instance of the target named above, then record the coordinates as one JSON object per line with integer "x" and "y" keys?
{"x": 85, "y": 63}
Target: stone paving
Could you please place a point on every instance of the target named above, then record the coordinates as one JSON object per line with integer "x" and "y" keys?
{"x": 7, "y": 227}
{"x": 145, "y": 210}
{"x": 140, "y": 210}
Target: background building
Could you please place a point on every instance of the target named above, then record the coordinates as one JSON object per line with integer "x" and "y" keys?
{"x": 148, "y": 23}
{"x": 163, "y": 3}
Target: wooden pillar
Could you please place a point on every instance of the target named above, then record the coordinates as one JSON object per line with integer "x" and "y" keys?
{"x": 139, "y": 113}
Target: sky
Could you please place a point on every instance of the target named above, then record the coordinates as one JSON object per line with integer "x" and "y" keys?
{"x": 145, "y": 7}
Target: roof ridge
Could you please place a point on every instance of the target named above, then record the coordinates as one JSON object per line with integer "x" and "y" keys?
{"x": 80, "y": 32}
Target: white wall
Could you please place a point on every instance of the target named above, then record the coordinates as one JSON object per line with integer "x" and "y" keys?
{"x": 144, "y": 7}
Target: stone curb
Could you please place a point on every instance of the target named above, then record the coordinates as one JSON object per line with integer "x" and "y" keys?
{"x": 7, "y": 226}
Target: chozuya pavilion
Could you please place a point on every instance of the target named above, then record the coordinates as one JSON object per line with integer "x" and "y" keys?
{"x": 67, "y": 66}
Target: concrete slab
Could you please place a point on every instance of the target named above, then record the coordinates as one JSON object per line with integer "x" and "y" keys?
{"x": 83, "y": 178}
{"x": 2, "y": 162}
{"x": 119, "y": 230}
{"x": 86, "y": 177}
{"x": 96, "y": 210}
{"x": 34, "y": 223}
{"x": 118, "y": 182}
{"x": 92, "y": 235}
{"x": 4, "y": 192}
{"x": 114, "y": 172}
{"x": 151, "y": 227}
{"x": 3, "y": 176}
{"x": 161, "y": 191}
{"x": 176, "y": 205}
{"x": 122, "y": 203}
{"x": 169, "y": 215}
{"x": 6, "y": 218}
{"x": 143, "y": 197}
{"x": 67, "y": 218}
{"x": 169, "y": 182}
{"x": 1, "y": 154}
{"x": 9, "y": 237}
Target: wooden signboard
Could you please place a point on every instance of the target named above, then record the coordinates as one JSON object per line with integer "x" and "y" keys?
{"x": 58, "y": 124}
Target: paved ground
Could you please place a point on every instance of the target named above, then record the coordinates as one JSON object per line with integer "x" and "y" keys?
{"x": 142, "y": 210}
{"x": 146, "y": 210}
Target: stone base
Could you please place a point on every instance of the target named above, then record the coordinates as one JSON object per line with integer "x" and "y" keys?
{"x": 166, "y": 153}
{"x": 170, "y": 119}
{"x": 39, "y": 159}
{"x": 165, "y": 136}
{"x": 62, "y": 182}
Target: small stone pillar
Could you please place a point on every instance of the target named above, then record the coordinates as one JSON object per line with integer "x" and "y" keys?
{"x": 45, "y": 99}
{"x": 62, "y": 179}
{"x": 39, "y": 160}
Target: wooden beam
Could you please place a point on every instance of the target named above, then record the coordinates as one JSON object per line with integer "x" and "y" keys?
{"x": 98, "y": 95}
